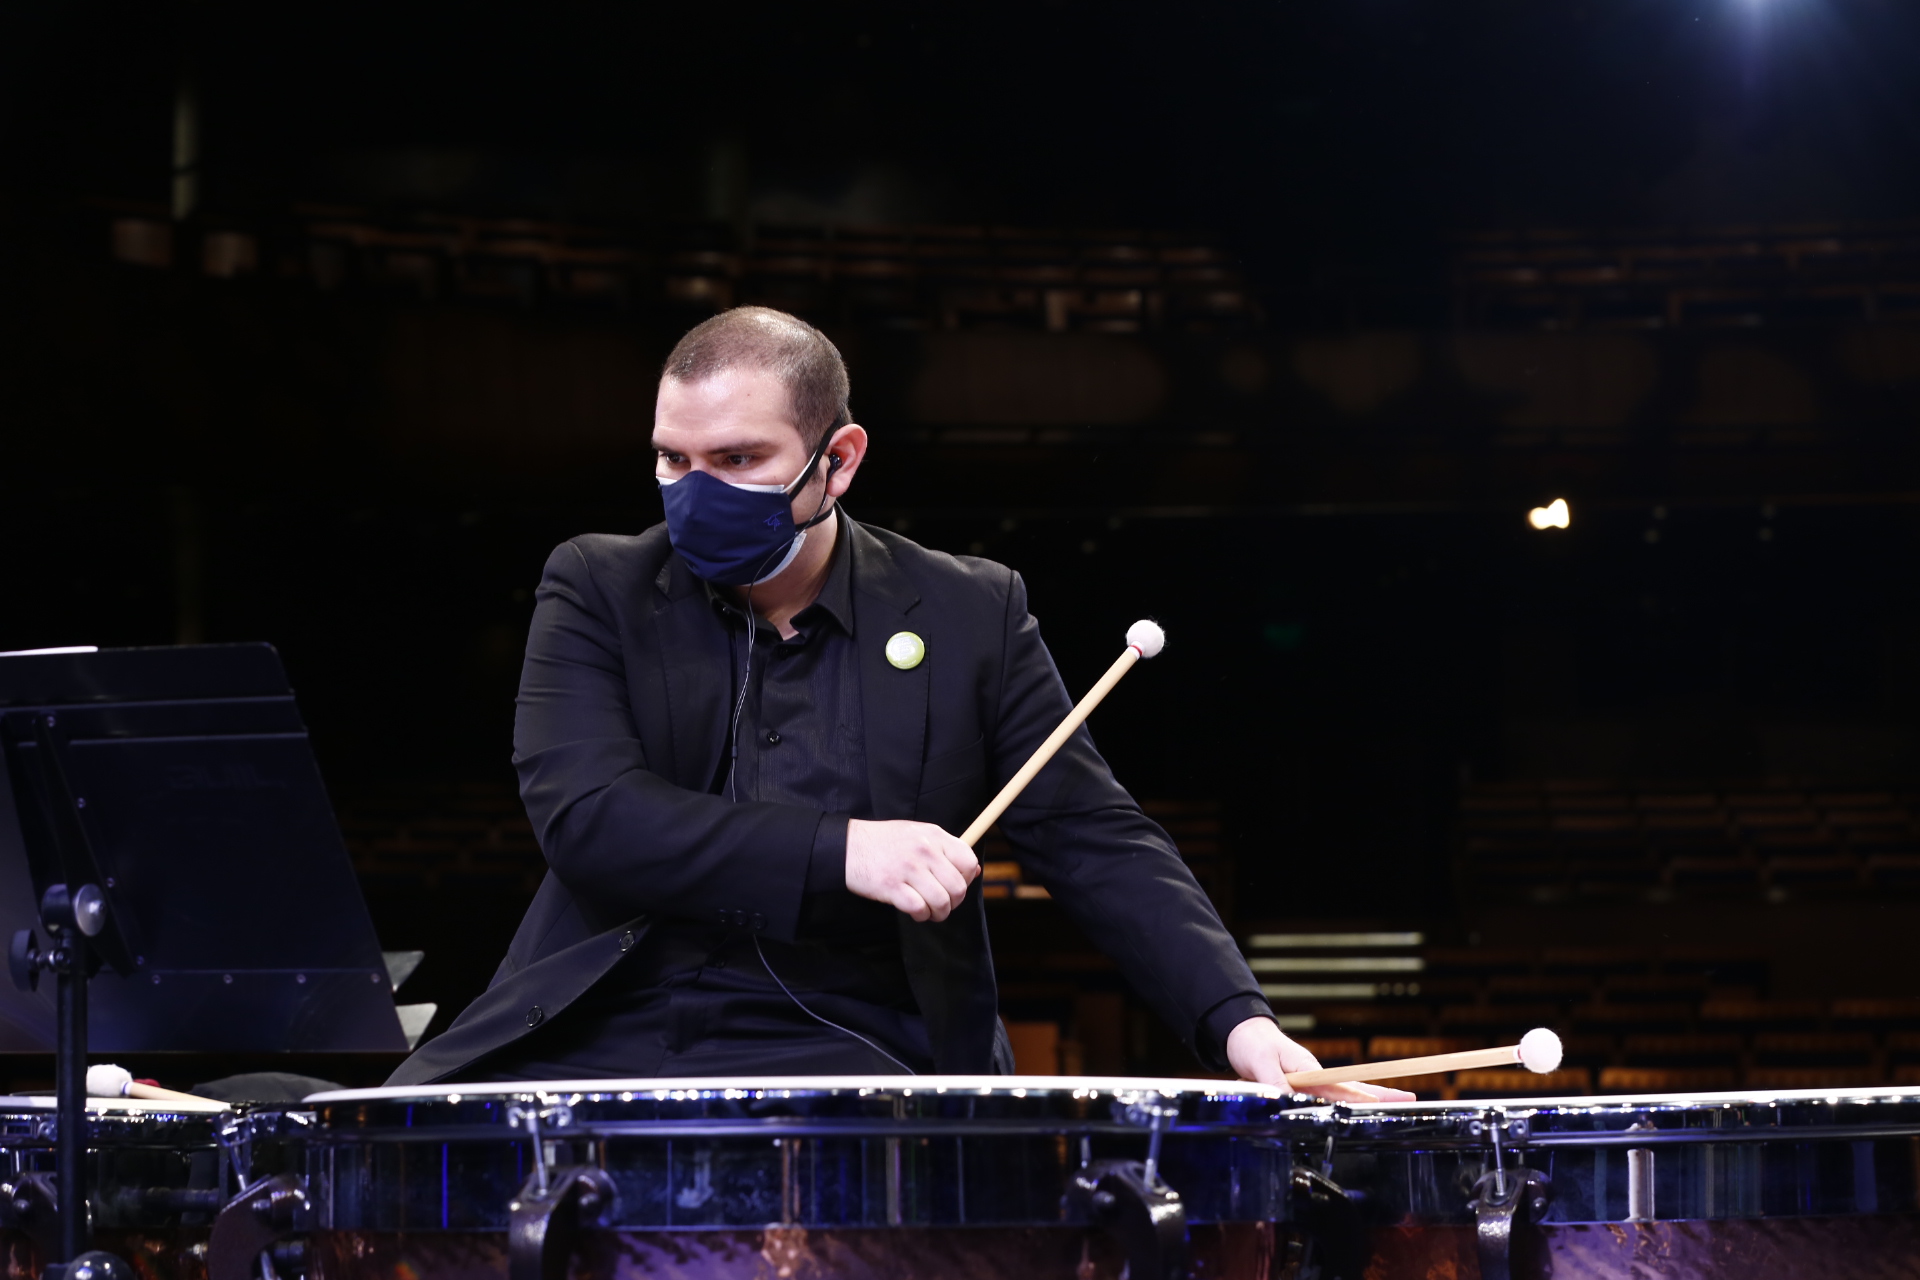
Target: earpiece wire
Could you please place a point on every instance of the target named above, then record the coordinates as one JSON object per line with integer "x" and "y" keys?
{"x": 733, "y": 765}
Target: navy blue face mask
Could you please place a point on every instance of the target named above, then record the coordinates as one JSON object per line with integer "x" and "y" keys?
{"x": 737, "y": 535}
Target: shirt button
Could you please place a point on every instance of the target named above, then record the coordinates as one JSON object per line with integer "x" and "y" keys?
{"x": 773, "y": 737}
{"x": 534, "y": 1015}
{"x": 626, "y": 940}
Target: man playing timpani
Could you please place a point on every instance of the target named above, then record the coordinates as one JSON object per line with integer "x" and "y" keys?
{"x": 744, "y": 737}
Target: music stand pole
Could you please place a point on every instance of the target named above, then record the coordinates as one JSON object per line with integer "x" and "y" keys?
{"x": 70, "y": 919}
{"x": 70, "y": 1086}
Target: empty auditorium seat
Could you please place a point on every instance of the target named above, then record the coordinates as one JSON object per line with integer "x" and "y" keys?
{"x": 1899, "y": 871}
{"x": 1517, "y": 1080}
{"x": 1506, "y": 865}
{"x": 1903, "y": 1048}
{"x": 1760, "y": 1015}
{"x": 1599, "y": 961}
{"x": 1627, "y": 988}
{"x": 1036, "y": 1047}
{"x": 1713, "y": 873}
{"x": 1813, "y": 1049}
{"x": 1634, "y": 1017}
{"x": 1883, "y": 1014}
{"x": 1834, "y": 870}
{"x": 1502, "y": 798}
{"x": 1720, "y": 966}
{"x": 1887, "y": 821}
{"x": 1383, "y": 1048}
{"x": 1665, "y": 1079}
{"x": 1373, "y": 1019}
{"x": 1809, "y": 1078}
{"x": 1782, "y": 800}
{"x": 882, "y": 290}
{"x": 1627, "y": 873}
{"x": 1504, "y": 988}
{"x": 1478, "y": 961}
{"x": 1685, "y": 823}
{"x": 1501, "y": 1021}
{"x": 1588, "y": 1048}
{"x": 1722, "y": 1051}
{"x": 1659, "y": 806}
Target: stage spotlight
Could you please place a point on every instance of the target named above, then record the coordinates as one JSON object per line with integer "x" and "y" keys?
{"x": 1555, "y": 515}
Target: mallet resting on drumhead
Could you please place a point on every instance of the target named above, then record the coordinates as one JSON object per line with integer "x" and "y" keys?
{"x": 105, "y": 1080}
{"x": 1538, "y": 1051}
{"x": 1144, "y": 640}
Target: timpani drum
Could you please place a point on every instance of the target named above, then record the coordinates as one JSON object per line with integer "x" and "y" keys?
{"x": 812, "y": 1177}
{"x": 1749, "y": 1186}
{"x": 159, "y": 1175}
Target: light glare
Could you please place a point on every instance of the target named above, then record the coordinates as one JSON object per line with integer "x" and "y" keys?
{"x": 1555, "y": 515}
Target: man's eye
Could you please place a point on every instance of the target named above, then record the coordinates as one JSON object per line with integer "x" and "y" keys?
{"x": 739, "y": 459}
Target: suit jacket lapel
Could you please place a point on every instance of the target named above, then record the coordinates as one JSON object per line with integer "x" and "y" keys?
{"x": 697, "y": 693}
{"x": 893, "y": 703}
{"x": 949, "y": 967}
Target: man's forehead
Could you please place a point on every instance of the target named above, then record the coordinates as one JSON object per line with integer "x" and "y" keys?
{"x": 734, "y": 403}
{"x": 739, "y": 389}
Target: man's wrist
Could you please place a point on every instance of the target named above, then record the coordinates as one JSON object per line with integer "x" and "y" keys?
{"x": 1210, "y": 1038}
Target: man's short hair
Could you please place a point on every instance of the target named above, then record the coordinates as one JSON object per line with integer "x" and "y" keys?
{"x": 806, "y": 363}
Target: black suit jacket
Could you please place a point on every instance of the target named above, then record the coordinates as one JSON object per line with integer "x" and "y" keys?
{"x": 620, "y": 725}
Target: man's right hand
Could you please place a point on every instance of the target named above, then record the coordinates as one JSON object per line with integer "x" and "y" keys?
{"x": 915, "y": 867}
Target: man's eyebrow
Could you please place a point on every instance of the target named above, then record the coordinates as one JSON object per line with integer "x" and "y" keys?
{"x": 735, "y": 446}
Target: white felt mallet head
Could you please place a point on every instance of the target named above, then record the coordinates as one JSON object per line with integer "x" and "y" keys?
{"x": 1147, "y": 637}
{"x": 104, "y": 1080}
{"x": 1540, "y": 1051}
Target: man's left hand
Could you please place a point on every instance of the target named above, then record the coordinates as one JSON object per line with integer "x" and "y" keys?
{"x": 1259, "y": 1050}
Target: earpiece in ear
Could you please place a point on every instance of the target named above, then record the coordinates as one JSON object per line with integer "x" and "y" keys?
{"x": 833, "y": 462}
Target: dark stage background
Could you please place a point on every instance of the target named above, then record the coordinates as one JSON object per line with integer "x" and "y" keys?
{"x": 1271, "y": 321}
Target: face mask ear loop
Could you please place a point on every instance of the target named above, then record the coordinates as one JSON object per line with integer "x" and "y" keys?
{"x": 813, "y": 460}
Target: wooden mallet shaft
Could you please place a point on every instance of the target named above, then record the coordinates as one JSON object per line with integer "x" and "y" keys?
{"x": 1538, "y": 1051}
{"x": 154, "y": 1093}
{"x": 1055, "y": 740}
{"x": 106, "y": 1080}
{"x": 1432, "y": 1064}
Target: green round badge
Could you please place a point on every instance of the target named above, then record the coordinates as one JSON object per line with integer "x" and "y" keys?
{"x": 905, "y": 649}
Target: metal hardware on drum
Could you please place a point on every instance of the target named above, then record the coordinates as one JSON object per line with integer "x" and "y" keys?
{"x": 1500, "y": 1199}
{"x": 160, "y": 1180}
{"x": 940, "y": 1177}
{"x": 1759, "y": 1187}
{"x": 1124, "y": 1198}
{"x": 255, "y": 1220}
{"x": 1640, "y": 1182}
{"x": 29, "y": 1203}
{"x": 545, "y": 1217}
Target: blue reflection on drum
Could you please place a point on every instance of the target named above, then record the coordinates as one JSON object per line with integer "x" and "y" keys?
{"x": 1810, "y": 1153}
{"x": 880, "y": 1152}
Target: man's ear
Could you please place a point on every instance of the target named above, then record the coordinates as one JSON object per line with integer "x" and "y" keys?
{"x": 845, "y": 452}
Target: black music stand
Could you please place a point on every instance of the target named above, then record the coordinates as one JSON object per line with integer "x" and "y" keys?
{"x": 167, "y": 811}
